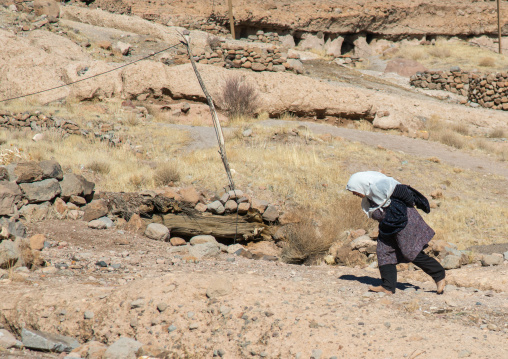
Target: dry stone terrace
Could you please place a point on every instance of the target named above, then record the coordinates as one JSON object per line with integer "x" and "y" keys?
{"x": 487, "y": 90}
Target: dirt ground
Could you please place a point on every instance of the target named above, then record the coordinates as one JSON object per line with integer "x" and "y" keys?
{"x": 271, "y": 310}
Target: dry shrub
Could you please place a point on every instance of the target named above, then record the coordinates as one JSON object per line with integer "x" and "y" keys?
{"x": 452, "y": 139}
{"x": 100, "y": 167}
{"x": 487, "y": 62}
{"x": 137, "y": 180}
{"x": 497, "y": 133}
{"x": 309, "y": 237}
{"x": 238, "y": 98}
{"x": 461, "y": 128}
{"x": 304, "y": 240}
{"x": 440, "y": 52}
{"x": 12, "y": 155}
{"x": 166, "y": 174}
{"x": 132, "y": 119}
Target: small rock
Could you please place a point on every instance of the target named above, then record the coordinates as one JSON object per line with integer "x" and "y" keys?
{"x": 123, "y": 348}
{"x": 162, "y": 307}
{"x": 193, "y": 326}
{"x": 219, "y": 287}
{"x": 177, "y": 241}
{"x": 316, "y": 354}
{"x": 138, "y": 303}
{"x": 491, "y": 260}
{"x": 464, "y": 353}
{"x": 37, "y": 242}
{"x": 171, "y": 328}
{"x": 88, "y": 314}
{"x": 157, "y": 231}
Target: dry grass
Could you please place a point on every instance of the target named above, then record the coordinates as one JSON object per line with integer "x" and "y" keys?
{"x": 306, "y": 174}
{"x": 487, "y": 62}
{"x": 451, "y": 138}
{"x": 497, "y": 133}
{"x": 445, "y": 54}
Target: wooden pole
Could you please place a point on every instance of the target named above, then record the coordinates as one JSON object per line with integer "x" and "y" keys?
{"x": 232, "y": 19}
{"x": 498, "y": 24}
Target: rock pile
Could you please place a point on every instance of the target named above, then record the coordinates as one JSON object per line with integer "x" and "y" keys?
{"x": 212, "y": 25}
{"x": 266, "y": 37}
{"x": 27, "y": 191}
{"x": 489, "y": 90}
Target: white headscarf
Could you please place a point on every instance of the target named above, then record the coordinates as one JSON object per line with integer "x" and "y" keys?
{"x": 376, "y": 187}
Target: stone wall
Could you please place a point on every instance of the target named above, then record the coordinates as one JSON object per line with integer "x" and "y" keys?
{"x": 39, "y": 122}
{"x": 253, "y": 58}
{"x": 490, "y": 90}
{"x": 455, "y": 81}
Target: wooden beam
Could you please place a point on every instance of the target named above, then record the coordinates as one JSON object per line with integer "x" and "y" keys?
{"x": 232, "y": 18}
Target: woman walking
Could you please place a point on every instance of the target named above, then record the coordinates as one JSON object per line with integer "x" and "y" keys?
{"x": 403, "y": 234}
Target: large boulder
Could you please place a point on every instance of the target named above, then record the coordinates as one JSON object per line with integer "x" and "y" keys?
{"x": 41, "y": 191}
{"x": 10, "y": 194}
{"x": 404, "y": 67}
{"x": 73, "y": 184}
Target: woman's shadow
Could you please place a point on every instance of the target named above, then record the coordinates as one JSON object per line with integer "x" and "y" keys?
{"x": 375, "y": 281}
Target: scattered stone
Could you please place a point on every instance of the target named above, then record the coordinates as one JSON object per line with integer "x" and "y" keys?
{"x": 97, "y": 224}
{"x": 43, "y": 341}
{"x": 157, "y": 231}
{"x": 216, "y": 207}
{"x": 201, "y": 239}
{"x": 219, "y": 287}
{"x": 161, "y": 307}
{"x": 451, "y": 262}
{"x": 203, "y": 250}
{"x": 464, "y": 353}
{"x": 362, "y": 242}
{"x": 316, "y": 354}
{"x": 177, "y": 241}
{"x": 41, "y": 191}
{"x": 171, "y": 328}
{"x": 37, "y": 242}
{"x": 88, "y": 314}
{"x": 270, "y": 214}
{"x": 138, "y": 303}
{"x": 7, "y": 340}
{"x": 491, "y": 260}
{"x": 123, "y": 348}
{"x": 94, "y": 210}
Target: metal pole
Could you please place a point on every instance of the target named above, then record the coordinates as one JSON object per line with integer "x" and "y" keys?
{"x": 232, "y": 19}
{"x": 499, "y": 23}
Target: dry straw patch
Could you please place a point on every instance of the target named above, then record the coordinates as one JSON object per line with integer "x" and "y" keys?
{"x": 447, "y": 53}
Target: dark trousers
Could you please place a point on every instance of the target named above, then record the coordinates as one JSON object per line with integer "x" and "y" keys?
{"x": 429, "y": 265}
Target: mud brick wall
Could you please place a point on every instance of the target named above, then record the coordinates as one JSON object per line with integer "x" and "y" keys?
{"x": 490, "y": 91}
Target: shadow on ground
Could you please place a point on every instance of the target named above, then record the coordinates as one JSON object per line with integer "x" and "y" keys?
{"x": 375, "y": 281}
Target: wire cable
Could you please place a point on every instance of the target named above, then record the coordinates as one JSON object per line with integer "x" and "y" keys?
{"x": 90, "y": 77}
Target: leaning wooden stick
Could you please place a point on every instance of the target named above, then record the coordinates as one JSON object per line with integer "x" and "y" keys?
{"x": 215, "y": 118}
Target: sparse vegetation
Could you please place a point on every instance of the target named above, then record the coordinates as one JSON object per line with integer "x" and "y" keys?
{"x": 487, "y": 62}
{"x": 238, "y": 97}
{"x": 166, "y": 174}
{"x": 100, "y": 167}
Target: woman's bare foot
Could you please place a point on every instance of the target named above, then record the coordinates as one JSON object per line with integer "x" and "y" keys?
{"x": 440, "y": 286}
{"x": 380, "y": 289}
